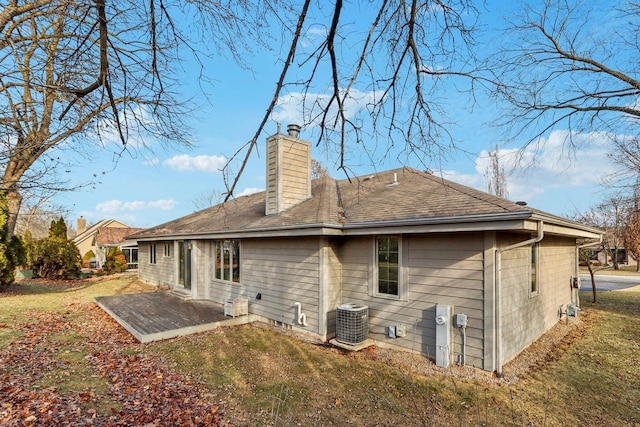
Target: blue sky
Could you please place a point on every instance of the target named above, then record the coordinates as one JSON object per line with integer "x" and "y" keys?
{"x": 143, "y": 189}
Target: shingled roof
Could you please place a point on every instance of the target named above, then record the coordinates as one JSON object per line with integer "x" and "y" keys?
{"x": 113, "y": 236}
{"x": 389, "y": 197}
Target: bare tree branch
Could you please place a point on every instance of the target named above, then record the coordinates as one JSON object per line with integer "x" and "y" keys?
{"x": 75, "y": 73}
{"x": 557, "y": 72}
{"x": 279, "y": 85}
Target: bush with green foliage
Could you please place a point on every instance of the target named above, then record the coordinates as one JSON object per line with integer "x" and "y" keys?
{"x": 55, "y": 256}
{"x": 86, "y": 258}
{"x": 58, "y": 229}
{"x": 115, "y": 262}
{"x": 11, "y": 248}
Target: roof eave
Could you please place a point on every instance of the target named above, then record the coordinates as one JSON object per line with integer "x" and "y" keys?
{"x": 584, "y": 230}
{"x": 315, "y": 229}
{"x": 510, "y": 221}
{"x": 495, "y": 221}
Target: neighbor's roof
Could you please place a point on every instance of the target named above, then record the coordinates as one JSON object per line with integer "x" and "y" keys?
{"x": 111, "y": 236}
{"x": 93, "y": 230}
{"x": 365, "y": 202}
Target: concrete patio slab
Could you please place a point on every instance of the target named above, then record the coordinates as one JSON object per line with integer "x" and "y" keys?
{"x": 157, "y": 316}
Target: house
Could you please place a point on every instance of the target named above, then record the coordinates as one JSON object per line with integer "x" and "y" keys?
{"x": 104, "y": 235}
{"x": 443, "y": 269}
{"x": 613, "y": 245}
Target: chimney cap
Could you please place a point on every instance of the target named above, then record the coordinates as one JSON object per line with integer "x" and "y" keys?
{"x": 293, "y": 130}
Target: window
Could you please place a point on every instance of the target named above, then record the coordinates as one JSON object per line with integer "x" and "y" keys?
{"x": 152, "y": 253}
{"x": 534, "y": 269}
{"x": 388, "y": 266}
{"x": 218, "y": 260}
{"x": 181, "y": 263}
{"x": 131, "y": 256}
{"x": 226, "y": 263}
{"x": 167, "y": 248}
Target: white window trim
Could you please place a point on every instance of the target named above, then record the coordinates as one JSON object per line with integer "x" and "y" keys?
{"x": 153, "y": 253}
{"x": 213, "y": 260}
{"x": 535, "y": 247}
{"x": 403, "y": 270}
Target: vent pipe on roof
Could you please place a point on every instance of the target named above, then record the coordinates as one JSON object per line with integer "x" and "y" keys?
{"x": 293, "y": 130}
{"x": 521, "y": 203}
{"x": 395, "y": 180}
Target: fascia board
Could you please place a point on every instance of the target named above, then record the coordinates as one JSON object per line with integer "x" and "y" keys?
{"x": 290, "y": 231}
{"x": 518, "y": 221}
{"x": 511, "y": 225}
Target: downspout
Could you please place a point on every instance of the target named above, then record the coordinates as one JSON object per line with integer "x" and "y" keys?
{"x": 577, "y": 291}
{"x": 498, "y": 292}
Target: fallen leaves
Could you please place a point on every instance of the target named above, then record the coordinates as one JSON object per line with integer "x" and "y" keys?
{"x": 39, "y": 387}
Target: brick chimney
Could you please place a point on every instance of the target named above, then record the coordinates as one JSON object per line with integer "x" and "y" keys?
{"x": 81, "y": 225}
{"x": 288, "y": 170}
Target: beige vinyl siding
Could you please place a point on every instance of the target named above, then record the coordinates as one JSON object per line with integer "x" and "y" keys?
{"x": 283, "y": 271}
{"x": 331, "y": 280}
{"x": 199, "y": 263}
{"x": 527, "y": 316}
{"x": 357, "y": 255}
{"x": 87, "y": 245}
{"x": 442, "y": 269}
{"x": 162, "y": 272}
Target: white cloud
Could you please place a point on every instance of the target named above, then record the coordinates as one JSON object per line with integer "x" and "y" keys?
{"x": 249, "y": 190}
{"x": 547, "y": 165}
{"x": 139, "y": 119}
{"x": 163, "y": 204}
{"x": 116, "y": 206}
{"x": 474, "y": 181}
{"x": 202, "y": 163}
{"x": 109, "y": 206}
{"x": 313, "y": 35}
{"x": 305, "y": 108}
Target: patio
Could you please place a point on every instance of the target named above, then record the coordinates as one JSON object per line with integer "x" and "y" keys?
{"x": 157, "y": 316}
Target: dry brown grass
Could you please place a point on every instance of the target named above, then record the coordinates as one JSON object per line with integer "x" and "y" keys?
{"x": 587, "y": 373}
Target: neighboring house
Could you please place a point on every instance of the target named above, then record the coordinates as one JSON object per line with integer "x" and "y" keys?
{"x": 615, "y": 241}
{"x": 104, "y": 235}
{"x": 404, "y": 243}
{"x": 616, "y": 246}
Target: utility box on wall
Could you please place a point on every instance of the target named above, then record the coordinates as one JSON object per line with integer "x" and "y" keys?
{"x": 443, "y": 335}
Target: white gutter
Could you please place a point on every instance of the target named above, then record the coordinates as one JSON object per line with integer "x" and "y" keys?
{"x": 498, "y": 292}
{"x": 441, "y": 220}
{"x": 334, "y": 228}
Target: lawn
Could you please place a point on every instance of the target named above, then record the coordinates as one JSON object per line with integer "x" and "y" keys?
{"x": 64, "y": 361}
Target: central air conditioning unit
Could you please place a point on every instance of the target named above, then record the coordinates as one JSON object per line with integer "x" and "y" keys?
{"x": 352, "y": 323}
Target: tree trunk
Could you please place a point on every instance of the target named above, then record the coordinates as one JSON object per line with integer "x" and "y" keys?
{"x": 614, "y": 259}
{"x": 14, "y": 200}
{"x": 593, "y": 280}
